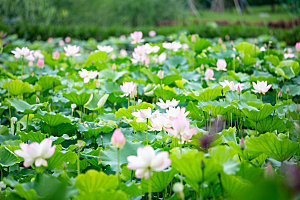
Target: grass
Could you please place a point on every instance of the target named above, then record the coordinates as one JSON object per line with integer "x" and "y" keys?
{"x": 256, "y": 14}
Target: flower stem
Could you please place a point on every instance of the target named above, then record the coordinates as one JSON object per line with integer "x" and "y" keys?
{"x": 118, "y": 169}
{"x": 27, "y": 123}
{"x": 78, "y": 162}
{"x": 149, "y": 190}
{"x": 22, "y": 68}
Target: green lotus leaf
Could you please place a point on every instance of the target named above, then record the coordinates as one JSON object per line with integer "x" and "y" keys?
{"x": 48, "y": 82}
{"x": 53, "y": 119}
{"x": 90, "y": 129}
{"x": 23, "y": 106}
{"x": 288, "y": 69}
{"x": 111, "y": 74}
{"x": 17, "y": 87}
{"x": 109, "y": 155}
{"x": 189, "y": 164}
{"x": 255, "y": 114}
{"x": 96, "y": 101}
{"x": 79, "y": 98}
{"x": 216, "y": 107}
{"x": 278, "y": 148}
{"x": 247, "y": 49}
{"x": 208, "y": 94}
{"x": 169, "y": 79}
{"x": 159, "y": 181}
{"x": 32, "y": 136}
{"x": 97, "y": 59}
{"x": 7, "y": 157}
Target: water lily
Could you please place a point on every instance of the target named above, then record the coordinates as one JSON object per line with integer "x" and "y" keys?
{"x": 36, "y": 153}
{"x": 87, "y": 75}
{"x": 261, "y": 87}
{"x": 72, "y": 50}
{"x": 147, "y": 161}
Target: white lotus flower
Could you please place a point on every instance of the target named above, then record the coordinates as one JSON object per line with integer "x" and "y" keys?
{"x": 87, "y": 75}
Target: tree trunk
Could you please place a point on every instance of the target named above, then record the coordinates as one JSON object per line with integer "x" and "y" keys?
{"x": 218, "y": 6}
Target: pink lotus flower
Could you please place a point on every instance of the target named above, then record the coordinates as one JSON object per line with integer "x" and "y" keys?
{"x": 87, "y": 75}
{"x": 55, "y": 55}
{"x": 50, "y": 40}
{"x": 40, "y": 63}
{"x": 261, "y": 87}
{"x": 152, "y": 33}
{"x": 106, "y": 49}
{"x": 38, "y": 55}
{"x": 30, "y": 63}
{"x": 129, "y": 88}
{"x": 136, "y": 37}
{"x": 142, "y": 115}
{"x": 147, "y": 161}
{"x": 181, "y": 129}
{"x": 172, "y": 112}
{"x": 209, "y": 73}
{"x": 159, "y": 121}
{"x": 61, "y": 43}
{"x": 21, "y": 53}
{"x": 160, "y": 74}
{"x": 221, "y": 65}
{"x": 118, "y": 140}
{"x": 36, "y": 153}
{"x": 72, "y": 50}
{"x": 68, "y": 39}
{"x": 297, "y": 46}
{"x": 174, "y": 46}
{"x": 168, "y": 103}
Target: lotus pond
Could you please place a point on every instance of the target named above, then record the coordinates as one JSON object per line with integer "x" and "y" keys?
{"x": 149, "y": 117}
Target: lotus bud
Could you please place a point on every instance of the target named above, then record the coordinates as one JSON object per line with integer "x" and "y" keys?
{"x": 40, "y": 63}
{"x": 37, "y": 100}
{"x": 114, "y": 66}
{"x": 268, "y": 171}
{"x": 238, "y": 90}
{"x": 50, "y": 40}
{"x": 98, "y": 84}
{"x": 287, "y": 89}
{"x": 152, "y": 33}
{"x": 280, "y": 94}
{"x": 242, "y": 144}
{"x": 30, "y": 63}
{"x": 14, "y": 119}
{"x": 61, "y": 43}
{"x": 68, "y": 39}
{"x": 178, "y": 189}
{"x": 193, "y": 38}
{"x": 73, "y": 106}
{"x": 202, "y": 165}
{"x": 160, "y": 74}
{"x": 118, "y": 140}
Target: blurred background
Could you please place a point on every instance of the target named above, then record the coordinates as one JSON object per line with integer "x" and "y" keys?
{"x": 38, "y": 19}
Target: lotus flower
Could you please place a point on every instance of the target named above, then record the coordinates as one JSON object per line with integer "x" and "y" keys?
{"x": 147, "y": 161}
{"x": 136, "y": 37}
{"x": 174, "y": 46}
{"x": 118, "y": 140}
{"x": 161, "y": 58}
{"x": 55, "y": 55}
{"x": 21, "y": 53}
{"x": 159, "y": 121}
{"x": 227, "y": 83}
{"x": 261, "y": 87}
{"x": 160, "y": 74}
{"x": 87, "y": 75}
{"x": 297, "y": 46}
{"x": 221, "y": 65}
{"x": 68, "y": 39}
{"x": 40, "y": 63}
{"x": 106, "y": 49}
{"x": 209, "y": 73}
{"x": 129, "y": 88}
{"x": 168, "y": 103}
{"x": 152, "y": 33}
{"x": 142, "y": 115}
{"x": 36, "y": 153}
{"x": 172, "y": 112}
{"x": 72, "y": 50}
{"x": 181, "y": 128}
